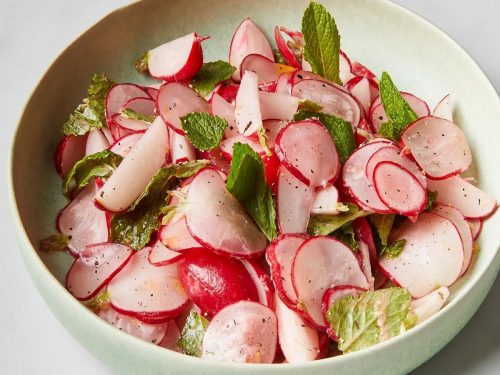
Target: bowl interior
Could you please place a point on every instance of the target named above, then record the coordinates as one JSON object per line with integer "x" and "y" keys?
{"x": 381, "y": 35}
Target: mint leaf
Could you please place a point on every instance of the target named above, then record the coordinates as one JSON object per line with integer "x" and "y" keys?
{"x": 99, "y": 302}
{"x": 431, "y": 199}
{"x": 130, "y": 113}
{"x": 247, "y": 183}
{"x": 371, "y": 318}
{"x": 309, "y": 105}
{"x": 394, "y": 250}
{"x": 91, "y": 113}
{"x": 192, "y": 334}
{"x": 277, "y": 56}
{"x": 346, "y": 234}
{"x": 203, "y": 130}
{"x": 388, "y": 131}
{"x": 141, "y": 64}
{"x": 56, "y": 242}
{"x": 340, "y": 130}
{"x": 211, "y": 74}
{"x": 135, "y": 226}
{"x": 323, "y": 225}
{"x": 322, "y": 42}
{"x": 383, "y": 224}
{"x": 100, "y": 164}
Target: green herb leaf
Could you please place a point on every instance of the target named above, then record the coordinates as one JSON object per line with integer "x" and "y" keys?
{"x": 99, "y": 302}
{"x": 310, "y": 106}
{"x": 431, "y": 199}
{"x": 371, "y": 318}
{"x": 277, "y": 56}
{"x": 323, "y": 225}
{"x": 387, "y": 130}
{"x": 101, "y": 164}
{"x": 130, "y": 113}
{"x": 247, "y": 182}
{"x": 211, "y": 74}
{"x": 141, "y": 64}
{"x": 322, "y": 42}
{"x": 56, "y": 242}
{"x": 394, "y": 250}
{"x": 90, "y": 114}
{"x": 192, "y": 334}
{"x": 203, "y": 130}
{"x": 346, "y": 234}
{"x": 383, "y": 224}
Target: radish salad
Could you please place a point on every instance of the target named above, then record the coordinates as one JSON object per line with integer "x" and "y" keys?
{"x": 286, "y": 205}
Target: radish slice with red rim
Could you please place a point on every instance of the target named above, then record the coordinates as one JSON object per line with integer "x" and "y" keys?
{"x": 95, "y": 267}
{"x": 300, "y": 75}
{"x": 108, "y": 135}
{"x": 175, "y": 236}
{"x": 325, "y": 201}
{"x": 70, "y": 149}
{"x": 283, "y": 85}
{"x": 153, "y": 91}
{"x": 171, "y": 337}
{"x": 221, "y": 108}
{"x": 181, "y": 149}
{"x": 160, "y": 255}
{"x": 247, "y": 108}
{"x": 363, "y": 256}
{"x": 144, "y": 106}
{"x": 229, "y": 92}
{"x": 359, "y": 69}
{"x": 476, "y": 226}
{"x": 285, "y": 51}
{"x": 433, "y": 255}
{"x": 130, "y": 124}
{"x": 364, "y": 90}
{"x": 226, "y": 146}
{"x": 272, "y": 127}
{"x": 120, "y": 94}
{"x": 424, "y": 307}
{"x": 444, "y": 109}
{"x": 123, "y": 145}
{"x": 338, "y": 292}
{"x": 96, "y": 142}
{"x": 267, "y": 70}
{"x": 277, "y": 106}
{"x": 262, "y": 282}
{"x": 244, "y": 332}
{"x": 345, "y": 67}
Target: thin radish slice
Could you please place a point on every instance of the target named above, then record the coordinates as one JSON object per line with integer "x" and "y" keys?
{"x": 399, "y": 189}
{"x": 160, "y": 255}
{"x": 345, "y": 67}
{"x": 120, "y": 94}
{"x": 305, "y": 65}
{"x": 123, "y": 145}
{"x": 229, "y": 92}
{"x": 294, "y": 202}
{"x": 247, "y": 108}
{"x": 438, "y": 146}
{"x": 308, "y": 151}
{"x": 177, "y": 60}
{"x": 283, "y": 85}
{"x": 176, "y": 237}
{"x": 144, "y": 106}
{"x": 221, "y": 108}
{"x": 96, "y": 142}
{"x": 299, "y": 343}
{"x": 267, "y": 70}
{"x": 82, "y": 221}
{"x": 338, "y": 292}
{"x": 363, "y": 132}
{"x": 321, "y": 263}
{"x": 244, "y": 332}
{"x": 280, "y": 255}
{"x": 180, "y": 148}
{"x": 359, "y": 69}
{"x": 424, "y": 307}
{"x": 444, "y": 109}
{"x": 456, "y": 217}
{"x": 70, "y": 149}
{"x": 432, "y": 257}
{"x": 363, "y": 256}
{"x": 248, "y": 39}
{"x": 176, "y": 100}
{"x": 153, "y": 91}
{"x": 262, "y": 282}
{"x": 136, "y": 169}
{"x": 108, "y": 135}
{"x": 325, "y": 201}
{"x": 333, "y": 99}
{"x": 285, "y": 51}
{"x": 226, "y": 146}
{"x": 117, "y": 132}
{"x": 145, "y": 291}
{"x": 476, "y": 226}
{"x": 130, "y": 124}
{"x": 231, "y": 231}
{"x": 213, "y": 281}
{"x": 300, "y": 75}
{"x": 95, "y": 267}
{"x": 272, "y": 127}
{"x": 277, "y": 106}
{"x": 364, "y": 90}
{"x": 171, "y": 337}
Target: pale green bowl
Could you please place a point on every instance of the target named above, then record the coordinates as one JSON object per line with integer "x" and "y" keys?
{"x": 420, "y": 58}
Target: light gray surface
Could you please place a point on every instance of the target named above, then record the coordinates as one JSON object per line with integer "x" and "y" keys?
{"x": 32, "y": 34}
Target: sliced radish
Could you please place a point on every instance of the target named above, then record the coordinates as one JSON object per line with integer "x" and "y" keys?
{"x": 176, "y": 237}
{"x": 248, "y": 39}
{"x": 226, "y": 146}
{"x": 96, "y": 142}
{"x": 136, "y": 169}
{"x": 96, "y": 265}
{"x": 300, "y": 75}
{"x": 283, "y": 85}
{"x": 272, "y": 127}
{"x": 130, "y": 124}
{"x": 153, "y": 91}
{"x": 69, "y": 150}
{"x": 229, "y": 91}
{"x": 221, "y": 108}
{"x": 146, "y": 291}
{"x": 177, "y": 60}
{"x": 108, "y": 135}
{"x": 338, "y": 292}
{"x": 294, "y": 202}
{"x": 262, "y": 282}
{"x": 321, "y": 263}
{"x": 247, "y": 109}
{"x": 160, "y": 255}
{"x": 426, "y": 306}
{"x": 117, "y": 132}
{"x": 231, "y": 231}
{"x": 444, "y": 109}
{"x": 359, "y": 69}
{"x": 363, "y": 256}
{"x": 285, "y": 51}
{"x": 181, "y": 149}
{"x": 438, "y": 146}
{"x": 277, "y": 106}
{"x": 176, "y": 100}
{"x": 171, "y": 337}
{"x": 325, "y": 201}
{"x": 120, "y": 94}
{"x": 123, "y": 145}
{"x": 267, "y": 70}
{"x": 432, "y": 257}
{"x": 244, "y": 332}
{"x": 345, "y": 67}
{"x": 363, "y": 132}
{"x": 364, "y": 90}
{"x": 476, "y": 226}
{"x": 144, "y": 106}
{"x": 299, "y": 343}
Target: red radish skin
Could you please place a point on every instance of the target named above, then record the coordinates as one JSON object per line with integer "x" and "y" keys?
{"x": 221, "y": 108}
{"x": 432, "y": 257}
{"x": 267, "y": 70}
{"x": 244, "y": 332}
{"x": 171, "y": 338}
{"x": 70, "y": 149}
{"x": 363, "y": 256}
{"x": 181, "y": 149}
{"x": 123, "y": 145}
{"x": 325, "y": 201}
{"x": 247, "y": 113}
{"x": 444, "y": 109}
{"x": 286, "y": 53}
{"x": 476, "y": 226}
{"x": 364, "y": 90}
{"x": 425, "y": 307}
{"x": 160, "y": 255}
{"x": 228, "y": 92}
{"x": 120, "y": 94}
{"x": 95, "y": 267}
{"x": 96, "y": 142}
{"x": 364, "y": 233}
{"x": 359, "y": 69}
{"x": 345, "y": 69}
{"x": 271, "y": 168}
{"x": 175, "y": 236}
{"x": 265, "y": 289}
{"x": 226, "y": 146}
{"x": 277, "y": 106}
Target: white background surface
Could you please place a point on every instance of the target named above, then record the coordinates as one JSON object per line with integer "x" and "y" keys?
{"x": 32, "y": 34}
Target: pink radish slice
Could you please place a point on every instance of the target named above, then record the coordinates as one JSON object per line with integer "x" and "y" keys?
{"x": 96, "y": 142}
{"x": 152, "y": 92}
{"x": 69, "y": 150}
{"x": 363, "y": 256}
{"x": 272, "y": 127}
{"x": 117, "y": 132}
{"x": 476, "y": 226}
{"x": 120, "y": 94}
{"x": 231, "y": 231}
{"x": 221, "y": 108}
{"x": 145, "y": 106}
{"x": 359, "y": 69}
{"x": 82, "y": 222}
{"x": 364, "y": 90}
{"x": 325, "y": 201}
{"x": 398, "y": 189}
{"x": 171, "y": 337}
{"x": 108, "y": 135}
{"x": 248, "y": 39}
{"x": 177, "y": 60}
{"x": 277, "y": 106}
{"x": 280, "y": 255}
{"x": 180, "y": 148}
{"x": 456, "y": 217}
{"x": 247, "y": 109}
{"x": 262, "y": 282}
{"x": 96, "y": 265}
{"x": 136, "y": 169}
{"x": 338, "y": 292}
{"x": 300, "y": 75}
{"x": 146, "y": 291}
{"x": 226, "y": 145}
{"x": 299, "y": 343}
{"x": 123, "y": 145}
{"x": 229, "y": 91}
{"x": 294, "y": 202}
{"x": 438, "y": 146}
{"x": 267, "y": 70}
{"x": 354, "y": 178}
{"x": 426, "y": 306}
{"x": 321, "y": 263}
{"x": 176, "y": 237}
{"x": 333, "y": 99}
{"x": 472, "y": 202}
{"x": 176, "y": 100}
{"x": 153, "y": 333}
{"x": 160, "y": 255}
{"x": 129, "y": 124}
{"x": 283, "y": 85}
{"x": 307, "y": 150}
{"x": 244, "y": 332}
{"x": 444, "y": 109}
{"x": 285, "y": 51}
{"x": 432, "y": 257}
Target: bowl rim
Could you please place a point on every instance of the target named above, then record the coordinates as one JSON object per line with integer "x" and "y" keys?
{"x": 29, "y": 252}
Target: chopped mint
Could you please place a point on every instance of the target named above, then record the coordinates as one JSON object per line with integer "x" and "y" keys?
{"x": 346, "y": 234}
{"x": 383, "y": 224}
{"x": 99, "y": 302}
{"x": 101, "y": 164}
{"x": 393, "y": 250}
{"x": 277, "y": 56}
{"x": 131, "y": 114}
{"x": 203, "y": 130}
{"x": 192, "y": 334}
{"x": 431, "y": 199}
{"x": 322, "y": 42}
{"x": 141, "y": 64}
{"x": 90, "y": 114}
{"x": 56, "y": 242}
{"x": 247, "y": 182}
{"x": 309, "y": 105}
{"x": 371, "y": 318}
{"x": 323, "y": 225}
{"x": 211, "y": 74}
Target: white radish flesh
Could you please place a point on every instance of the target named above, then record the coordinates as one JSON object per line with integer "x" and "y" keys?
{"x": 96, "y": 142}
{"x": 160, "y": 255}
{"x": 277, "y": 106}
{"x": 120, "y": 94}
{"x": 262, "y": 282}
{"x": 444, "y": 109}
{"x": 267, "y": 70}
{"x": 364, "y": 90}
{"x": 226, "y": 145}
{"x": 476, "y": 225}
{"x": 171, "y": 337}
{"x": 130, "y": 124}
{"x": 345, "y": 67}
{"x": 283, "y": 85}
{"x": 221, "y": 108}
{"x": 426, "y": 306}
{"x": 144, "y": 106}
{"x": 123, "y": 145}
{"x": 325, "y": 201}
{"x": 272, "y": 127}
{"x": 181, "y": 149}
{"x": 247, "y": 108}
{"x": 363, "y": 256}
{"x": 69, "y": 150}
{"x": 175, "y": 236}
